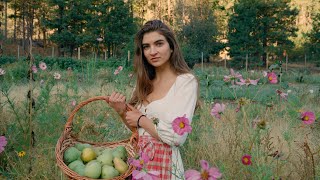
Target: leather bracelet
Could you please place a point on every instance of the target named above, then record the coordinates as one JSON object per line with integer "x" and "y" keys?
{"x": 139, "y": 120}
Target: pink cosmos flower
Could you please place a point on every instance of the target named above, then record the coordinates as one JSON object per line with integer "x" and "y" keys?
{"x": 206, "y": 172}
{"x": 181, "y": 125}
{"x": 34, "y": 69}
{"x": 140, "y": 163}
{"x": 2, "y": 71}
{"x": 232, "y": 77}
{"x": 307, "y": 117}
{"x": 42, "y": 66}
{"x": 273, "y": 78}
{"x": 217, "y": 110}
{"x": 265, "y": 73}
{"x": 246, "y": 160}
{"x": 3, "y": 143}
{"x": 116, "y": 72}
{"x": 145, "y": 175}
{"x": 247, "y": 82}
{"x": 73, "y": 103}
{"x": 120, "y": 68}
{"x": 282, "y": 94}
{"x": 57, "y": 75}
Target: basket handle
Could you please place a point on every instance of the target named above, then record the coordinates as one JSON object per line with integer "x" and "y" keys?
{"x": 68, "y": 125}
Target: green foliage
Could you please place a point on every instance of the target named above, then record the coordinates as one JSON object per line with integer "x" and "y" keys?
{"x": 69, "y": 21}
{"x": 7, "y": 60}
{"x": 313, "y": 45}
{"x": 81, "y": 23}
{"x": 260, "y": 27}
{"x": 200, "y": 34}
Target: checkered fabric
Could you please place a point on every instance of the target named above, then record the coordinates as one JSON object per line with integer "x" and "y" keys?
{"x": 160, "y": 155}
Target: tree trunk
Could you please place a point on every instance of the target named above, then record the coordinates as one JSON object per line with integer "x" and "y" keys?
{"x": 5, "y": 19}
{"x": 30, "y": 22}
{"x": 15, "y": 25}
{"x": 264, "y": 46}
{"x": 169, "y": 11}
{"x": 109, "y": 49}
{"x": 23, "y": 32}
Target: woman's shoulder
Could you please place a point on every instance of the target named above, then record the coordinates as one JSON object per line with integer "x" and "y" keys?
{"x": 186, "y": 78}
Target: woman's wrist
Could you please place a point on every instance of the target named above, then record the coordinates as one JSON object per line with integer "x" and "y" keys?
{"x": 121, "y": 112}
{"x": 138, "y": 121}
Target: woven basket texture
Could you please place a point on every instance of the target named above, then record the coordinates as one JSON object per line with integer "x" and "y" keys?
{"x": 67, "y": 140}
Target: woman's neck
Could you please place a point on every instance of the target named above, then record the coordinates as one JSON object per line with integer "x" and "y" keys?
{"x": 164, "y": 74}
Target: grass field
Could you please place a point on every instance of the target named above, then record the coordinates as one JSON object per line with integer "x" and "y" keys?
{"x": 256, "y": 121}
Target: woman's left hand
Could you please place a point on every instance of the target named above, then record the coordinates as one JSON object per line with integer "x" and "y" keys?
{"x": 132, "y": 116}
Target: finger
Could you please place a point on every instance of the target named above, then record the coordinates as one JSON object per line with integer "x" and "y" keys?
{"x": 119, "y": 97}
{"x": 111, "y": 98}
{"x": 130, "y": 107}
{"x": 116, "y": 96}
{"x": 112, "y": 94}
{"x": 123, "y": 99}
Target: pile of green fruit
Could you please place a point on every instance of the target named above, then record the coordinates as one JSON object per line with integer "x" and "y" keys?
{"x": 96, "y": 162}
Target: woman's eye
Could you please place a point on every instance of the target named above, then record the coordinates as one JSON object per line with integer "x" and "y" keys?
{"x": 145, "y": 47}
{"x": 159, "y": 44}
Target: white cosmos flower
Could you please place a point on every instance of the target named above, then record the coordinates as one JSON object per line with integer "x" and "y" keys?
{"x": 56, "y": 75}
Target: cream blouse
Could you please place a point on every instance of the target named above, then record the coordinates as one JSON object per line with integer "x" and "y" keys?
{"x": 179, "y": 101}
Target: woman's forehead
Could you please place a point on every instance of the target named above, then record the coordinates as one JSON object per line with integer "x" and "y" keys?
{"x": 151, "y": 37}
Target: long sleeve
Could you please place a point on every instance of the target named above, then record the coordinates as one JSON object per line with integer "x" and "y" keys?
{"x": 181, "y": 102}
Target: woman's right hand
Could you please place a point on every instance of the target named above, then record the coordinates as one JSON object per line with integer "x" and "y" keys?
{"x": 118, "y": 102}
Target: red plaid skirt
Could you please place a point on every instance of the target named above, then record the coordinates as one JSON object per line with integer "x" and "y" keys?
{"x": 160, "y": 155}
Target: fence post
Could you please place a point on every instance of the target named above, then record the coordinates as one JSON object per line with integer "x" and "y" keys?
{"x": 267, "y": 57}
{"x": 202, "y": 61}
{"x": 305, "y": 61}
{"x": 18, "y": 52}
{"x": 79, "y": 52}
{"x": 247, "y": 62}
{"x": 286, "y": 62}
{"x": 105, "y": 55}
{"x": 128, "y": 55}
{"x": 52, "y": 51}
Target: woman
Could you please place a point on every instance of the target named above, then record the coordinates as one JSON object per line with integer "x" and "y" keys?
{"x": 165, "y": 89}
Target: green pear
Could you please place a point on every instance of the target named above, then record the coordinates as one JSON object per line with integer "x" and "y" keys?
{"x": 109, "y": 172}
{"x": 120, "y": 165}
{"x": 120, "y": 154}
{"x": 81, "y": 146}
{"x": 105, "y": 159}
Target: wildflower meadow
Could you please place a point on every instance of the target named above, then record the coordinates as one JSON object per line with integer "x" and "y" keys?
{"x": 256, "y": 124}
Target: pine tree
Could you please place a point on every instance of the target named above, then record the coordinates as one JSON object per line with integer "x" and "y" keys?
{"x": 260, "y": 27}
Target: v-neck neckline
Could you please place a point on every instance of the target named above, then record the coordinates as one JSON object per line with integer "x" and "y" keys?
{"x": 165, "y": 96}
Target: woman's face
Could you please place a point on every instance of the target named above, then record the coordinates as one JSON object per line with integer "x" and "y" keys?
{"x": 156, "y": 49}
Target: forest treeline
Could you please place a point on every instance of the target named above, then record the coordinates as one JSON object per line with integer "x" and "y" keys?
{"x": 256, "y": 29}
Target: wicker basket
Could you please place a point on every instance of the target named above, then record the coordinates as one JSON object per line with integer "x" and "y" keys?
{"x": 67, "y": 140}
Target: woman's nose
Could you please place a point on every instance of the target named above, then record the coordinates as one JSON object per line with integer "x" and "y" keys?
{"x": 153, "y": 50}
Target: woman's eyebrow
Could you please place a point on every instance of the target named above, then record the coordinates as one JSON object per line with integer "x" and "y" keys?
{"x": 157, "y": 41}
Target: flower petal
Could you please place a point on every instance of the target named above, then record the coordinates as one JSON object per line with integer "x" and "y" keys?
{"x": 204, "y": 164}
{"x": 192, "y": 175}
{"x": 214, "y": 172}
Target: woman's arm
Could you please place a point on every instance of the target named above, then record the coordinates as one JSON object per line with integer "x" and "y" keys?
{"x": 132, "y": 118}
{"x": 182, "y": 103}
{"x": 117, "y": 101}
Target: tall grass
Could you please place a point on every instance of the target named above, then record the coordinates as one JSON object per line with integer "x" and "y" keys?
{"x": 283, "y": 147}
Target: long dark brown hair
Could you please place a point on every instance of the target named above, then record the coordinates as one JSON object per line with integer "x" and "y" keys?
{"x": 146, "y": 72}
